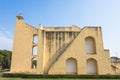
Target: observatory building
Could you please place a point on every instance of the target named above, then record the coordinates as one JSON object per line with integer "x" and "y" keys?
{"x": 59, "y": 50}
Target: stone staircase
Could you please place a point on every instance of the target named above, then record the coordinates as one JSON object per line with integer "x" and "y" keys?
{"x": 56, "y": 56}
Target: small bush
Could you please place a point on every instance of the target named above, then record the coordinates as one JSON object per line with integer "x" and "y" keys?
{"x": 12, "y": 75}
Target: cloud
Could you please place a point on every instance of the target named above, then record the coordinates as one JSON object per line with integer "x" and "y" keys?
{"x": 6, "y": 42}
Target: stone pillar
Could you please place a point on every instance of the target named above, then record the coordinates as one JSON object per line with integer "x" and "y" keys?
{"x": 40, "y": 57}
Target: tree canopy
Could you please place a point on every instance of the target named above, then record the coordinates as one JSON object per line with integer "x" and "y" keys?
{"x": 5, "y": 59}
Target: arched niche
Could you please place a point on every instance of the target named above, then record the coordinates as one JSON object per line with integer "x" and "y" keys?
{"x": 90, "y": 45}
{"x": 34, "y": 63}
{"x": 92, "y": 66}
{"x": 71, "y": 66}
{"x": 35, "y": 50}
{"x": 35, "y": 38}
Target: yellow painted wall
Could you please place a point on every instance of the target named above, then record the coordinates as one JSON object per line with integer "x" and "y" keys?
{"x": 77, "y": 50}
{"x": 55, "y": 46}
{"x": 22, "y": 47}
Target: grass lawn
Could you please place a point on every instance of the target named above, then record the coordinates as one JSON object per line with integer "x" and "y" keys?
{"x": 52, "y": 79}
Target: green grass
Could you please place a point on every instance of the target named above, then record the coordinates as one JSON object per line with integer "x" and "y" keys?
{"x": 51, "y": 79}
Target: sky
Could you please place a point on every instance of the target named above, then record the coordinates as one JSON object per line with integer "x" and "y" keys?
{"x": 104, "y": 13}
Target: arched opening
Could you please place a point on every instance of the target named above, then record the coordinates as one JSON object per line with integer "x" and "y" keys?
{"x": 90, "y": 45}
{"x": 92, "y": 66}
{"x": 35, "y": 39}
{"x": 34, "y": 63}
{"x": 71, "y": 66}
{"x": 35, "y": 50}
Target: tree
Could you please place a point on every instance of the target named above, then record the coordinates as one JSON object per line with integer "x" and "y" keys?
{"x": 5, "y": 59}
{"x": 1, "y": 60}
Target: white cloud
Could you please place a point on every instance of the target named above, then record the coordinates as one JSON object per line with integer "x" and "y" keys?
{"x": 5, "y": 41}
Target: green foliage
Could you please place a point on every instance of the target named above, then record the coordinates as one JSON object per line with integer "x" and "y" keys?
{"x": 61, "y": 76}
{"x": 34, "y": 63}
{"x": 5, "y": 59}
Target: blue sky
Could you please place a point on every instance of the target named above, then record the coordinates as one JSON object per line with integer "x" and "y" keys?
{"x": 104, "y": 13}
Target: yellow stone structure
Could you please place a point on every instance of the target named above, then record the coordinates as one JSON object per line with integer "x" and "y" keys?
{"x": 115, "y": 64}
{"x": 59, "y": 50}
